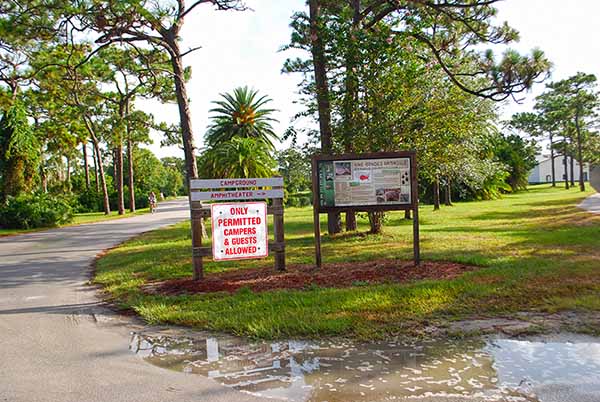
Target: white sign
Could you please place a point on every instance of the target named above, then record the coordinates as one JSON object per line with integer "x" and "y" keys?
{"x": 197, "y": 184}
{"x": 239, "y": 231}
{"x": 236, "y": 195}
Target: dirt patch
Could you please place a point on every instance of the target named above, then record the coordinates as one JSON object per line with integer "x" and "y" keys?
{"x": 305, "y": 276}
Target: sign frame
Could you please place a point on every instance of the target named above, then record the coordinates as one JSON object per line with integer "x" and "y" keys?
{"x": 237, "y": 204}
{"x": 411, "y": 155}
{"x": 270, "y": 188}
{"x": 412, "y": 206}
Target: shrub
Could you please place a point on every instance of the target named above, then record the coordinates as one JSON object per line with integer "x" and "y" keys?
{"x": 90, "y": 201}
{"x": 28, "y": 211}
{"x": 302, "y": 199}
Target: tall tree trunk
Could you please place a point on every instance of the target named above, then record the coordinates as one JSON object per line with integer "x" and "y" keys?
{"x": 436, "y": 193}
{"x": 320, "y": 68}
{"x": 184, "y": 112}
{"x": 407, "y": 215}
{"x": 579, "y": 152}
{"x": 129, "y": 160}
{"x": 552, "y": 162}
{"x": 95, "y": 168}
{"x": 566, "y": 165}
{"x": 351, "y": 224}
{"x": 68, "y": 177}
{"x": 106, "y": 199}
{"x": 130, "y": 178}
{"x": 100, "y": 170}
{"x": 86, "y": 166}
{"x": 43, "y": 178}
{"x": 118, "y": 162}
{"x": 351, "y": 97}
{"x": 448, "y": 193}
{"x": 376, "y": 222}
{"x": 351, "y": 221}
{"x": 572, "y": 171}
{"x": 322, "y": 87}
{"x": 189, "y": 150}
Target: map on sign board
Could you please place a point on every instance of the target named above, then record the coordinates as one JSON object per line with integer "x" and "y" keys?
{"x": 239, "y": 231}
{"x": 364, "y": 182}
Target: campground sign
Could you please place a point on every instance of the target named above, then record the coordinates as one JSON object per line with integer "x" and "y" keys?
{"x": 239, "y": 229}
{"x": 237, "y": 189}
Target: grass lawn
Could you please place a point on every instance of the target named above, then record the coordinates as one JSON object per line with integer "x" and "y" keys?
{"x": 79, "y": 219}
{"x": 91, "y": 217}
{"x": 538, "y": 252}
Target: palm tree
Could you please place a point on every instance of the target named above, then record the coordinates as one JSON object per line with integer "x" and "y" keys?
{"x": 239, "y": 157}
{"x": 243, "y": 115}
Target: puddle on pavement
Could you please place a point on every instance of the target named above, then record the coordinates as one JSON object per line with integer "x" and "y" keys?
{"x": 488, "y": 370}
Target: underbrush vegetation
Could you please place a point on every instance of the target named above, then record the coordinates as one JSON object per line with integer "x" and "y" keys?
{"x": 537, "y": 252}
{"x": 39, "y": 210}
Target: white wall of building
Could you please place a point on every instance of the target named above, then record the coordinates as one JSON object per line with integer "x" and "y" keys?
{"x": 595, "y": 177}
{"x": 542, "y": 173}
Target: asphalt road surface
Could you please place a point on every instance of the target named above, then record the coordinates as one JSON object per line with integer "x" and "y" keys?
{"x": 58, "y": 343}
{"x": 591, "y": 204}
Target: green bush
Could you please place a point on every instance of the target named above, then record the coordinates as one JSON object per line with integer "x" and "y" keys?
{"x": 90, "y": 201}
{"x": 30, "y": 211}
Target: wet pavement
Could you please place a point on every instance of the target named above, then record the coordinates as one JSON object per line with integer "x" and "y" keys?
{"x": 550, "y": 369}
{"x": 591, "y": 204}
{"x": 58, "y": 343}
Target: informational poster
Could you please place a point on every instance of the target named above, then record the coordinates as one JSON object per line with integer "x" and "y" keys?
{"x": 239, "y": 231}
{"x": 364, "y": 182}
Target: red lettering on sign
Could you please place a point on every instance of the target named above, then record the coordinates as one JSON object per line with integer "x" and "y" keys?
{"x": 233, "y": 183}
{"x": 238, "y": 210}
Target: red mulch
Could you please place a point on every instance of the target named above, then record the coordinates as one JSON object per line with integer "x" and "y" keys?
{"x": 303, "y": 276}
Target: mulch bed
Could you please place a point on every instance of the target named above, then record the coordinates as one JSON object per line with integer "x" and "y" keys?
{"x": 303, "y": 276}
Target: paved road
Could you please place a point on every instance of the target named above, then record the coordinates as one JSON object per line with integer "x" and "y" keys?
{"x": 591, "y": 204}
{"x": 57, "y": 343}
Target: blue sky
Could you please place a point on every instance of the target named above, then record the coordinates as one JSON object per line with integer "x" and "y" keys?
{"x": 241, "y": 48}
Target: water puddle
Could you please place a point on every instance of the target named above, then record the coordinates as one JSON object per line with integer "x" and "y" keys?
{"x": 564, "y": 369}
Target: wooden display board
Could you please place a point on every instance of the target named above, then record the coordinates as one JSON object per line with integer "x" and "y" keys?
{"x": 234, "y": 190}
{"x": 381, "y": 181}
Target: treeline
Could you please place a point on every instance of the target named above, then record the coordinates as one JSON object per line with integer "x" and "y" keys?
{"x": 390, "y": 76}
{"x": 70, "y": 134}
{"x": 378, "y": 76}
{"x": 566, "y": 115}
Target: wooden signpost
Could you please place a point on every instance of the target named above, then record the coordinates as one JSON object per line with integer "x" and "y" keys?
{"x": 382, "y": 181}
{"x": 238, "y": 227}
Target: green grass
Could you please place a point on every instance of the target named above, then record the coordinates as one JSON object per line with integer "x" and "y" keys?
{"x": 538, "y": 252}
{"x": 79, "y": 219}
{"x": 91, "y": 217}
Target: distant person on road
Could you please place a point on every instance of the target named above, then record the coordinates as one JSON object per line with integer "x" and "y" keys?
{"x": 152, "y": 202}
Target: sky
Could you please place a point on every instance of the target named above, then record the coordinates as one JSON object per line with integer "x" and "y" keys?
{"x": 243, "y": 48}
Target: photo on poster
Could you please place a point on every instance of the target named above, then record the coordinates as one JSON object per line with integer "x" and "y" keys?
{"x": 343, "y": 170}
{"x": 391, "y": 195}
{"x": 362, "y": 176}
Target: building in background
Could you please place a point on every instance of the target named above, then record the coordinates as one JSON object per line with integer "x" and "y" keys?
{"x": 542, "y": 173}
{"x": 595, "y": 177}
